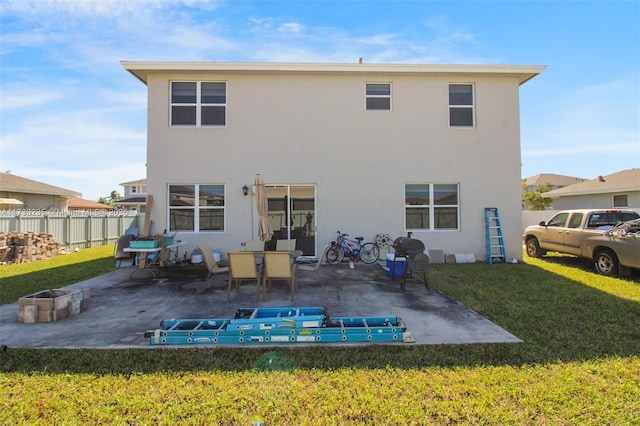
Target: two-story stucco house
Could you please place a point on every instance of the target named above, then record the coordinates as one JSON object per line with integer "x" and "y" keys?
{"x": 135, "y": 195}
{"x": 367, "y": 149}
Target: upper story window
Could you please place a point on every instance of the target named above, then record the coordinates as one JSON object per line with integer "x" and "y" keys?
{"x": 461, "y": 105}
{"x": 137, "y": 189}
{"x": 196, "y": 208}
{"x": 432, "y": 206}
{"x": 198, "y": 103}
{"x": 378, "y": 96}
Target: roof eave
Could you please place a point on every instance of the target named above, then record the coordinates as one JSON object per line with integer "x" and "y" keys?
{"x": 559, "y": 194}
{"x": 68, "y": 194}
{"x": 141, "y": 70}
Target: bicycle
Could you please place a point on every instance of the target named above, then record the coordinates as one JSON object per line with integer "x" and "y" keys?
{"x": 353, "y": 248}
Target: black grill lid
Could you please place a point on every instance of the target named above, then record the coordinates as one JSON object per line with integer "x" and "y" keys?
{"x": 405, "y": 244}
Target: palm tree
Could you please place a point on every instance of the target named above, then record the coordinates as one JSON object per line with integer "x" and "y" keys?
{"x": 115, "y": 196}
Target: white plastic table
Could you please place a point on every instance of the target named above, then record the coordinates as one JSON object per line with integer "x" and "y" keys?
{"x": 156, "y": 260}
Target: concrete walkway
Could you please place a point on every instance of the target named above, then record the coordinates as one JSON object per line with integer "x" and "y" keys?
{"x": 121, "y": 310}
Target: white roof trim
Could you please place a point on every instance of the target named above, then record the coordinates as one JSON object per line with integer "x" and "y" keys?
{"x": 556, "y": 193}
{"x": 142, "y": 69}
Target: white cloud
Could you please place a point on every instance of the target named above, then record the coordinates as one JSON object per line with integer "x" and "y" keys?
{"x": 82, "y": 134}
{"x": 585, "y": 149}
{"x": 600, "y": 113}
{"x": 580, "y": 130}
{"x": 291, "y": 27}
{"x": 446, "y": 32}
{"x": 79, "y": 149}
{"x": 38, "y": 37}
{"x": 91, "y": 182}
{"x": 20, "y": 96}
{"x": 101, "y": 8}
{"x": 75, "y": 124}
{"x": 99, "y": 31}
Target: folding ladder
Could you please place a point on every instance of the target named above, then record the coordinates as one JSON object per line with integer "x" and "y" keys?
{"x": 279, "y": 325}
{"x": 494, "y": 240}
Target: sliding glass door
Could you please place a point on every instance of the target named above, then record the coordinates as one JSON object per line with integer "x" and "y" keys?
{"x": 292, "y": 214}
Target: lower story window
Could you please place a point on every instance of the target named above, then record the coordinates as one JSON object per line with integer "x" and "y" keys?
{"x": 196, "y": 208}
{"x": 432, "y": 206}
{"x": 620, "y": 201}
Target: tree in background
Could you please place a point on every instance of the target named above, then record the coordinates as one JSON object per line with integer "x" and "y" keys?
{"x": 103, "y": 200}
{"x": 115, "y": 196}
{"x": 111, "y": 199}
{"x": 534, "y": 200}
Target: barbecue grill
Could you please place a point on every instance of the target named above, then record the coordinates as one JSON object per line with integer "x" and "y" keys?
{"x": 417, "y": 261}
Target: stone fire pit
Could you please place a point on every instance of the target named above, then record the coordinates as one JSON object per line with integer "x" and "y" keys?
{"x": 52, "y": 305}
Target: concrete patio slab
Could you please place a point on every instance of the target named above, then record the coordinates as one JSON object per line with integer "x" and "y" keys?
{"x": 121, "y": 309}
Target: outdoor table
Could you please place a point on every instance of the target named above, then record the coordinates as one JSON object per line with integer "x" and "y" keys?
{"x": 295, "y": 254}
{"x": 153, "y": 260}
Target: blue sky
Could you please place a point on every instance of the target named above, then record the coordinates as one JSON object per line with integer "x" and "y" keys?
{"x": 71, "y": 116}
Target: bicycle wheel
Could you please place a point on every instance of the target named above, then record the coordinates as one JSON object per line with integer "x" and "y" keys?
{"x": 335, "y": 255}
{"x": 369, "y": 253}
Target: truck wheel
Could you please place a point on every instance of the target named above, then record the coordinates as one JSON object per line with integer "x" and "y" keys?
{"x": 533, "y": 248}
{"x": 606, "y": 262}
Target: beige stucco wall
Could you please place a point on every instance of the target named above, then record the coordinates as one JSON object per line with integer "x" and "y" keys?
{"x": 313, "y": 129}
{"x": 36, "y": 201}
{"x": 595, "y": 201}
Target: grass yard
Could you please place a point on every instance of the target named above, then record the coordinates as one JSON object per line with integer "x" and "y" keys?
{"x": 579, "y": 363}
{"x": 27, "y": 278}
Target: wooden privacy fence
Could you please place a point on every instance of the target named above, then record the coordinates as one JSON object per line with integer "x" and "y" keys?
{"x": 73, "y": 229}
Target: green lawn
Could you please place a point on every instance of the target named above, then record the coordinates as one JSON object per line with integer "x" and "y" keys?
{"x": 60, "y": 271}
{"x": 579, "y": 364}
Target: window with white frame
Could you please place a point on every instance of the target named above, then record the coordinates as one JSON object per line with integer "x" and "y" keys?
{"x": 378, "y": 96}
{"x": 196, "y": 207}
{"x": 461, "y": 105}
{"x": 432, "y": 206}
{"x": 198, "y": 103}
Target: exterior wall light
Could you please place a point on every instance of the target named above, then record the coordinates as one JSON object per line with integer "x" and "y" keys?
{"x": 245, "y": 190}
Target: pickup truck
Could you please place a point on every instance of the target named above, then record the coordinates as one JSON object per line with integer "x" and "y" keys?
{"x": 590, "y": 234}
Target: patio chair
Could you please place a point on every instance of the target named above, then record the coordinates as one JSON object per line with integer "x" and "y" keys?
{"x": 242, "y": 267}
{"x": 285, "y": 245}
{"x": 213, "y": 267}
{"x": 256, "y": 246}
{"x": 313, "y": 264}
{"x": 120, "y": 254}
{"x": 277, "y": 266}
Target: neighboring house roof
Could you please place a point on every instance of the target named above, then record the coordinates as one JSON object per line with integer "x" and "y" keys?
{"x": 82, "y": 204}
{"x": 13, "y": 183}
{"x": 140, "y": 199}
{"x": 135, "y": 182}
{"x": 555, "y": 180}
{"x": 626, "y": 180}
{"x": 142, "y": 69}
